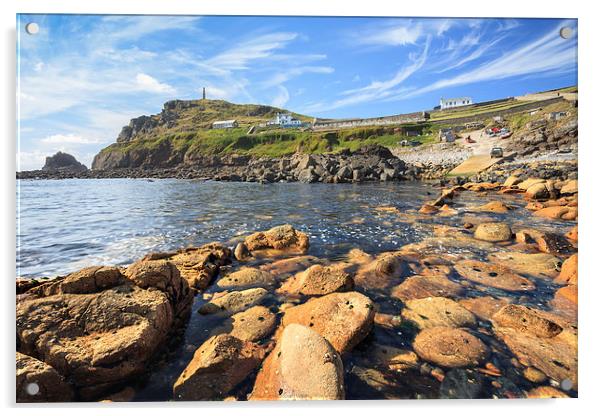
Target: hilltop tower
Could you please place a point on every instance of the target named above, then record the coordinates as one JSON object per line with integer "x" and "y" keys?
{"x": 204, "y": 96}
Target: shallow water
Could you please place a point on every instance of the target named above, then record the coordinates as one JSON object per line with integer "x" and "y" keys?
{"x": 65, "y": 225}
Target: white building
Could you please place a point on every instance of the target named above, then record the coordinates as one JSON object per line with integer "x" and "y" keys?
{"x": 224, "y": 124}
{"x": 454, "y": 102}
{"x": 284, "y": 120}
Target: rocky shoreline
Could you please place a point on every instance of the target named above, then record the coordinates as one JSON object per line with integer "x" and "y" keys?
{"x": 369, "y": 164}
{"x": 486, "y": 307}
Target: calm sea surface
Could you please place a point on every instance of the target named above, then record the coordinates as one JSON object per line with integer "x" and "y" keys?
{"x": 65, "y": 225}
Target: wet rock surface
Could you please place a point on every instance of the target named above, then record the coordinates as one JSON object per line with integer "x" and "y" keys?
{"x": 450, "y": 347}
{"x": 218, "y": 365}
{"x": 98, "y": 327}
{"x": 302, "y": 366}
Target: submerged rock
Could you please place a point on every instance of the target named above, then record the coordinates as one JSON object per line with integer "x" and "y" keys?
{"x": 538, "y": 341}
{"x": 395, "y": 359}
{"x": 437, "y": 312}
{"x": 97, "y": 327}
{"x": 461, "y": 383}
{"x": 538, "y": 265}
{"x": 546, "y": 392}
{"x": 450, "y": 347}
{"x": 418, "y": 287}
{"x": 218, "y": 366}
{"x": 233, "y": 302}
{"x": 493, "y": 275}
{"x": 344, "y": 319}
{"x": 384, "y": 272}
{"x": 302, "y": 366}
{"x": 484, "y": 307}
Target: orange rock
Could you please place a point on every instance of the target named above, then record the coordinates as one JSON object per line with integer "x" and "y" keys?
{"x": 428, "y": 209}
{"x": 450, "y": 347}
{"x": 418, "y": 287}
{"x": 572, "y": 234}
{"x": 546, "y": 392}
{"x": 567, "y": 292}
{"x": 302, "y": 366}
{"x": 568, "y": 272}
{"x": 493, "y": 275}
{"x": 218, "y": 365}
{"x": 483, "y": 307}
{"x": 557, "y": 212}
{"x": 318, "y": 280}
{"x": 344, "y": 319}
{"x": 570, "y": 216}
{"x": 497, "y": 207}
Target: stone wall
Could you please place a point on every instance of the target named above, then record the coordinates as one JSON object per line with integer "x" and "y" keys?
{"x": 418, "y": 117}
{"x": 489, "y": 114}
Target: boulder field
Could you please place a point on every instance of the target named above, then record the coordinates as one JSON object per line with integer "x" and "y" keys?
{"x": 483, "y": 306}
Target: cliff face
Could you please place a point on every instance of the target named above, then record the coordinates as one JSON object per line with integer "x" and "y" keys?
{"x": 180, "y": 133}
{"x": 63, "y": 162}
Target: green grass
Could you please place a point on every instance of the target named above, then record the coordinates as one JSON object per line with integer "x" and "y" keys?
{"x": 274, "y": 143}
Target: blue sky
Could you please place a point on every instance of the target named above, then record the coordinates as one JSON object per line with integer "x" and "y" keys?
{"x": 84, "y": 77}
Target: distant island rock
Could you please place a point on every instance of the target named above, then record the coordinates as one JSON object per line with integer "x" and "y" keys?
{"x": 63, "y": 162}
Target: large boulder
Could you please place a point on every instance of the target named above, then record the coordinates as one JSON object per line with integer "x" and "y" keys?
{"x": 219, "y": 365}
{"x": 302, "y": 366}
{"x": 283, "y": 237}
{"x": 98, "y": 327}
{"x": 246, "y": 277}
{"x": 198, "y": 265}
{"x": 254, "y": 324}
{"x": 493, "y": 232}
{"x": 319, "y": 280}
{"x": 437, "y": 311}
{"x": 344, "y": 319}
{"x": 450, "y": 347}
{"x": 39, "y": 382}
{"x": 568, "y": 272}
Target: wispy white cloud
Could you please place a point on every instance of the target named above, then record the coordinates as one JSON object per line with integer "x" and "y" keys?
{"x": 240, "y": 56}
{"x": 549, "y": 53}
{"x": 286, "y": 75}
{"x": 147, "y": 83}
{"x": 68, "y": 138}
{"x": 281, "y": 97}
{"x": 376, "y": 90}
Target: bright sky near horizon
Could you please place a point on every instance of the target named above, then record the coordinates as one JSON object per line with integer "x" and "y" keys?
{"x": 83, "y": 77}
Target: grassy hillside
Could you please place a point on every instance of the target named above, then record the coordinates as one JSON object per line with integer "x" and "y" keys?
{"x": 184, "y": 128}
{"x": 272, "y": 143}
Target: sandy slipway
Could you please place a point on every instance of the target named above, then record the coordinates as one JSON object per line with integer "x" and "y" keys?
{"x": 483, "y": 308}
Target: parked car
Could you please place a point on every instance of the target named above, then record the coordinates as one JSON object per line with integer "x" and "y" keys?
{"x": 496, "y": 152}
